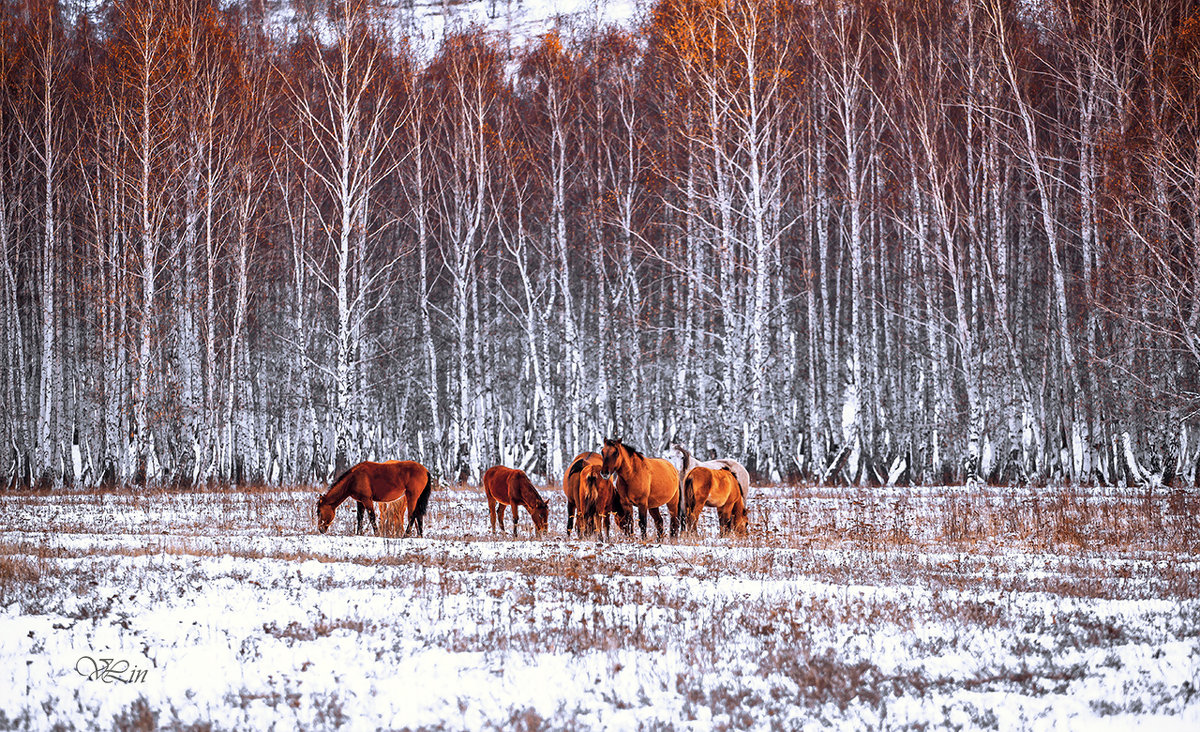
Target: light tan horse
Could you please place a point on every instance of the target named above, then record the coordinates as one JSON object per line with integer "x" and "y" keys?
{"x": 720, "y": 489}
{"x": 648, "y": 483}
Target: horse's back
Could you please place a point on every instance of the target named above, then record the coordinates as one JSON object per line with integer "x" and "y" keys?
{"x": 497, "y": 482}
{"x": 739, "y": 471}
{"x": 722, "y": 484}
{"x": 395, "y": 478}
{"x": 664, "y": 481}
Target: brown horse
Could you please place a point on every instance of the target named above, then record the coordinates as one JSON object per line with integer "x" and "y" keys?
{"x": 720, "y": 489}
{"x": 571, "y": 486}
{"x": 647, "y": 483}
{"x": 369, "y": 483}
{"x": 598, "y": 499}
{"x": 510, "y": 487}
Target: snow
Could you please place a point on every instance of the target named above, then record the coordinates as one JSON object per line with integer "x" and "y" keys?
{"x": 243, "y": 617}
{"x": 426, "y": 22}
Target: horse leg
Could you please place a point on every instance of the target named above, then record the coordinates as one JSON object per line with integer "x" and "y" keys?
{"x": 492, "y": 512}
{"x": 570, "y": 516}
{"x": 642, "y": 520}
{"x": 500, "y": 513}
{"x": 701, "y": 498}
{"x": 361, "y": 509}
{"x": 656, "y": 513}
{"x": 516, "y": 513}
{"x": 624, "y": 518}
{"x": 371, "y": 515}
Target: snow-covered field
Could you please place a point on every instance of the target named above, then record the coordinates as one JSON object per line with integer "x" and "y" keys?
{"x": 982, "y": 608}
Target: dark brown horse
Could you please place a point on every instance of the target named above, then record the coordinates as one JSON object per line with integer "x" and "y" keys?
{"x": 510, "y": 487}
{"x": 720, "y": 489}
{"x": 369, "y": 483}
{"x": 647, "y": 483}
{"x": 598, "y": 500}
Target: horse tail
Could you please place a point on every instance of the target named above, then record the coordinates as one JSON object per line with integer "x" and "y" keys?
{"x": 687, "y": 500}
{"x": 576, "y": 466}
{"x": 423, "y": 500}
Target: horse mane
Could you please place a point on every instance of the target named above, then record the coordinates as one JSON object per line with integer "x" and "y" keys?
{"x": 577, "y": 466}
{"x": 345, "y": 474}
{"x": 688, "y": 460}
{"x": 527, "y": 485}
{"x": 616, "y": 442}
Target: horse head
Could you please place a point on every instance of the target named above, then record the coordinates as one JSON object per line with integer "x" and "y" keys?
{"x": 541, "y": 514}
{"x": 612, "y": 456}
{"x": 324, "y": 513}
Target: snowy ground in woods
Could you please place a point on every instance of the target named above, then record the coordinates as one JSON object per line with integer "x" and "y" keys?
{"x": 426, "y": 22}
{"x": 984, "y": 608}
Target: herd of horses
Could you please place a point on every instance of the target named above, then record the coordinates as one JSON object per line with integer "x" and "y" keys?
{"x": 599, "y": 486}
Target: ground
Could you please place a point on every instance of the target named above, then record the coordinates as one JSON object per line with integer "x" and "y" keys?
{"x": 917, "y": 608}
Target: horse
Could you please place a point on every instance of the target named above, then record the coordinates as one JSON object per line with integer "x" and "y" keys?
{"x": 369, "y": 483}
{"x": 733, "y": 466}
{"x": 739, "y": 471}
{"x": 598, "y": 499}
{"x": 511, "y": 487}
{"x": 720, "y": 489}
{"x": 648, "y": 483}
{"x": 571, "y": 486}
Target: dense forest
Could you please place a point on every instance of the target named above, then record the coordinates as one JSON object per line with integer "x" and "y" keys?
{"x": 843, "y": 240}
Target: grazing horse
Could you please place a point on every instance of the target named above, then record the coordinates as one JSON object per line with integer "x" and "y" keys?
{"x": 510, "y": 487}
{"x": 571, "y": 486}
{"x": 720, "y": 489}
{"x": 369, "y": 483}
{"x": 733, "y": 466}
{"x": 647, "y": 483}
{"x": 597, "y": 500}
{"x": 689, "y": 461}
